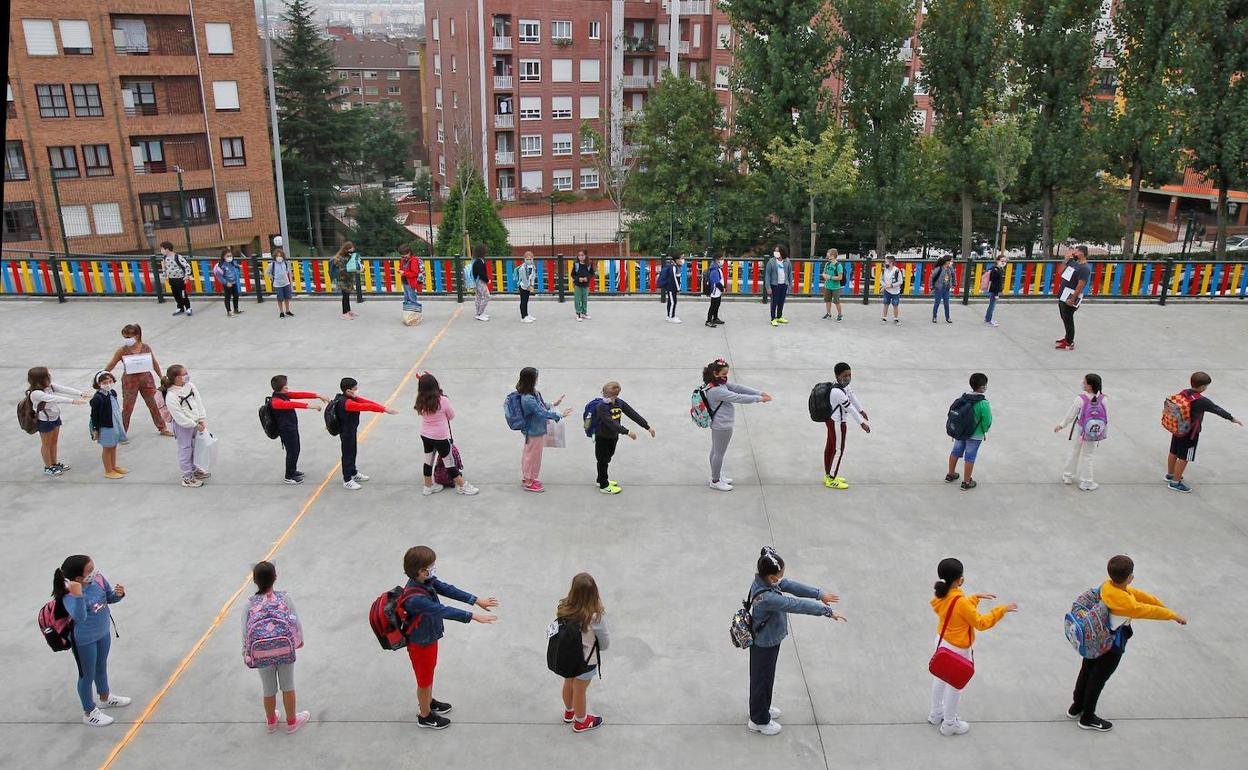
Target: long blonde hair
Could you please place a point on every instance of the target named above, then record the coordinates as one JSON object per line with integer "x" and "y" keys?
{"x": 344, "y": 252}
{"x": 582, "y": 606}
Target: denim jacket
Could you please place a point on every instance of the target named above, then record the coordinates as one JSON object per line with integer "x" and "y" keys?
{"x": 771, "y": 621}
{"x": 227, "y": 272}
{"x": 433, "y": 611}
{"x": 536, "y": 413}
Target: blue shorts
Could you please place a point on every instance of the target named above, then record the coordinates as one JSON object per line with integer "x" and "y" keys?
{"x": 283, "y": 292}
{"x": 44, "y": 426}
{"x": 967, "y": 449}
{"x": 891, "y": 299}
{"x": 589, "y": 675}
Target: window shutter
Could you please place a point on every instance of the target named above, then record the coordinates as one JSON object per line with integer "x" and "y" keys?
{"x": 107, "y": 218}
{"x": 76, "y": 222}
{"x": 561, "y": 70}
{"x": 589, "y": 71}
{"x": 225, "y": 94}
{"x": 40, "y": 39}
{"x": 531, "y": 181}
{"x": 75, "y": 33}
{"x": 219, "y": 38}
{"x": 238, "y": 204}
{"x": 589, "y": 107}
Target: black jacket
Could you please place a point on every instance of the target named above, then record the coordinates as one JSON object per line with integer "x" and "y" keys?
{"x": 102, "y": 410}
{"x": 479, "y": 272}
{"x": 581, "y": 273}
{"x": 609, "y": 427}
{"x": 996, "y": 280}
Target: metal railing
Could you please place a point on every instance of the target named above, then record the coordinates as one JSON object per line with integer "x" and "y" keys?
{"x": 502, "y": 42}
{"x": 503, "y": 82}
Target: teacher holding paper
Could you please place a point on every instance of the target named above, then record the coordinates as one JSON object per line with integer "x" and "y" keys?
{"x": 140, "y": 368}
{"x": 1075, "y": 275}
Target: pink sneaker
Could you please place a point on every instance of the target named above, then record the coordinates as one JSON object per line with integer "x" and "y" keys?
{"x": 300, "y": 720}
{"x": 271, "y": 724}
{"x": 534, "y": 486}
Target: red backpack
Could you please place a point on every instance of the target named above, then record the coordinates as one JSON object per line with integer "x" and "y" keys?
{"x": 58, "y": 632}
{"x": 389, "y": 618}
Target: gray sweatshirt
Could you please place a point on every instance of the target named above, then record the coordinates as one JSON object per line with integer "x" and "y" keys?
{"x": 722, "y": 399}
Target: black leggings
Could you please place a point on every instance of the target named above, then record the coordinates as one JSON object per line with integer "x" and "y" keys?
{"x": 346, "y": 301}
{"x": 230, "y": 294}
{"x": 438, "y": 447}
{"x": 778, "y": 292}
{"x": 712, "y": 312}
{"x": 524, "y": 302}
{"x": 671, "y": 297}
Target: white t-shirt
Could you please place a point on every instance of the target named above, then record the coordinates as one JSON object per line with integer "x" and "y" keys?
{"x": 890, "y": 280}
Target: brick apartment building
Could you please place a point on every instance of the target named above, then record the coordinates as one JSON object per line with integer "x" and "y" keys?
{"x": 107, "y": 99}
{"x": 384, "y": 72}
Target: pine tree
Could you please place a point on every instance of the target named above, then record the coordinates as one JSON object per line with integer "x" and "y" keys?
{"x": 377, "y": 231}
{"x": 475, "y": 212}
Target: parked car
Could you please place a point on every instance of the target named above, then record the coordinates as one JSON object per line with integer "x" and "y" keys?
{"x": 1237, "y": 243}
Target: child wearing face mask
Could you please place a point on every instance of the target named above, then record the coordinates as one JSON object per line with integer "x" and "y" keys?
{"x": 833, "y": 282}
{"x": 82, "y": 594}
{"x": 967, "y": 449}
{"x": 228, "y": 274}
{"x": 844, "y": 404}
{"x": 141, "y": 369}
{"x": 721, "y": 399}
{"x": 582, "y": 272}
{"x": 280, "y": 276}
{"x": 778, "y": 276}
{"x": 996, "y": 285}
{"x": 349, "y": 406}
{"x": 669, "y": 285}
{"x": 45, "y": 398}
{"x": 106, "y": 428}
{"x": 526, "y": 282}
{"x": 189, "y": 417}
{"x": 714, "y": 288}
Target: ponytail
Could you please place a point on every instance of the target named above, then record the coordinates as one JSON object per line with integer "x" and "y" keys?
{"x": 949, "y": 571}
{"x": 265, "y": 575}
{"x": 710, "y": 370}
{"x": 169, "y": 378}
{"x": 70, "y": 569}
{"x": 1094, "y": 382}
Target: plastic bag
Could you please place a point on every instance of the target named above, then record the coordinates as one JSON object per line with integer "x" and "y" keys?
{"x": 555, "y": 436}
{"x": 204, "y": 451}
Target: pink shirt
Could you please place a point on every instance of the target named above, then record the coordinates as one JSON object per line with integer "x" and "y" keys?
{"x": 438, "y": 424}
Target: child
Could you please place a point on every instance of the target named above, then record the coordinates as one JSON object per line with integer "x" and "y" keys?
{"x": 582, "y": 607}
{"x": 177, "y": 270}
{"x": 536, "y": 413}
{"x": 526, "y": 283}
{"x": 346, "y": 266}
{"x": 281, "y": 277}
{"x": 1124, "y": 603}
{"x": 607, "y": 435}
{"x": 349, "y": 406}
{"x": 275, "y": 609}
{"x": 996, "y": 284}
{"x": 582, "y": 272}
{"x": 843, "y": 402}
{"x": 714, "y": 279}
{"x": 1183, "y": 448}
{"x": 669, "y": 285}
{"x": 480, "y": 282}
{"x": 721, "y": 397}
{"x": 778, "y": 276}
{"x": 942, "y": 285}
{"x": 890, "y": 289}
{"x": 968, "y": 449}
{"x": 957, "y": 622}
{"x": 422, "y": 644}
{"x": 45, "y": 398}
{"x": 413, "y": 271}
{"x": 770, "y": 608}
{"x": 84, "y": 595}
{"x": 228, "y": 274}
{"x": 833, "y": 282}
{"x": 189, "y": 417}
{"x": 284, "y": 402}
{"x": 436, "y": 414}
{"x": 1081, "y": 452}
{"x": 141, "y": 370}
{"x": 106, "y": 423}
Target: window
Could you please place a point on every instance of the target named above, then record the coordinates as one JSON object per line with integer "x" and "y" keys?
{"x": 589, "y": 71}
{"x": 139, "y": 97}
{"x": 76, "y": 37}
{"x": 97, "y": 160}
{"x": 530, "y": 31}
{"x": 342, "y": 74}
{"x": 455, "y": 100}
{"x": 530, "y": 70}
{"x": 442, "y": 165}
{"x": 130, "y": 36}
{"x": 437, "y": 97}
{"x": 454, "y": 64}
{"x": 64, "y": 162}
{"x": 531, "y": 181}
{"x": 372, "y": 91}
{"x": 14, "y": 162}
{"x": 394, "y": 75}
{"x": 164, "y": 209}
{"x": 40, "y": 39}
{"x": 87, "y": 100}
{"x": 107, "y": 218}
{"x": 20, "y": 222}
{"x": 561, "y": 107}
{"x": 589, "y": 145}
{"x": 344, "y": 91}
{"x": 920, "y": 84}
{"x": 52, "y": 101}
{"x": 561, "y": 144}
{"x": 238, "y": 204}
{"x": 665, "y": 38}
{"x": 721, "y": 77}
{"x": 394, "y": 90}
{"x": 232, "y": 151}
{"x": 920, "y": 118}
{"x": 530, "y": 108}
{"x": 75, "y": 221}
{"x": 595, "y": 30}
{"x": 561, "y": 179}
{"x": 561, "y": 30}
{"x": 589, "y": 107}
{"x": 589, "y": 179}
{"x": 723, "y": 37}
{"x": 452, "y": 26}
{"x": 220, "y": 41}
{"x": 225, "y": 95}
{"x": 436, "y": 36}
{"x": 531, "y": 146}
{"x": 370, "y": 74}
{"x": 561, "y": 70}
{"x": 437, "y": 63}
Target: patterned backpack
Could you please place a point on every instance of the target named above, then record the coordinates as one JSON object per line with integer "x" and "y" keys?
{"x": 1093, "y": 418}
{"x": 1087, "y": 625}
{"x": 742, "y": 629}
{"x": 700, "y": 410}
{"x": 1176, "y": 412}
{"x": 273, "y": 633}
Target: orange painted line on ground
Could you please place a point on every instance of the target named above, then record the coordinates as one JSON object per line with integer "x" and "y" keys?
{"x": 150, "y": 708}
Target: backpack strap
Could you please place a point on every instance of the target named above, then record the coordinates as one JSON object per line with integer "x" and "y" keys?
{"x": 707, "y": 403}
{"x": 754, "y": 600}
{"x": 945, "y": 625}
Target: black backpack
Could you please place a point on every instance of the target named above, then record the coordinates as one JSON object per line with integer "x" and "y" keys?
{"x": 820, "y": 403}
{"x": 961, "y": 421}
{"x": 268, "y": 419}
{"x": 707, "y": 287}
{"x": 333, "y": 420}
{"x": 563, "y": 650}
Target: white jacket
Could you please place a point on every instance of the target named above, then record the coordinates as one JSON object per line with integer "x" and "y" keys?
{"x": 51, "y": 398}
{"x": 185, "y": 405}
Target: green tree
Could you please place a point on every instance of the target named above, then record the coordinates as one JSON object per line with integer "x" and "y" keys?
{"x": 1001, "y": 140}
{"x": 825, "y": 169}
{"x": 1147, "y": 41}
{"x": 379, "y": 133}
{"x": 377, "y": 231}
{"x": 964, "y": 49}
{"x": 472, "y": 213}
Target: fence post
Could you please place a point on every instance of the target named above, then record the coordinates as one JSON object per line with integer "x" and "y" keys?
{"x": 458, "y": 279}
{"x": 257, "y": 278}
{"x": 966, "y": 280}
{"x": 160, "y": 285}
{"x": 866, "y": 280}
{"x": 559, "y": 277}
{"x": 53, "y": 262}
{"x": 1165, "y": 280}
{"x": 359, "y": 284}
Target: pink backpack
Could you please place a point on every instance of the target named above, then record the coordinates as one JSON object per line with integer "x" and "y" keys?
{"x": 273, "y": 633}
{"x": 59, "y": 632}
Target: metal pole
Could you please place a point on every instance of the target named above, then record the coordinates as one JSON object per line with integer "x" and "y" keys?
{"x": 430, "y": 202}
{"x": 186, "y": 223}
{"x": 55, "y": 266}
{"x": 307, "y": 216}
{"x": 277, "y": 141}
{"x": 966, "y": 281}
{"x": 560, "y": 277}
{"x": 1165, "y": 280}
{"x": 866, "y": 281}
{"x": 60, "y": 218}
{"x": 1139, "y": 238}
{"x": 149, "y": 232}
{"x": 710, "y": 224}
{"x": 552, "y": 225}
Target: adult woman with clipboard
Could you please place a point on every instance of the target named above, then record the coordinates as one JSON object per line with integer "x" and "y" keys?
{"x": 140, "y": 369}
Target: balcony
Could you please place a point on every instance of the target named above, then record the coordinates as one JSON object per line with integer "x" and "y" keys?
{"x": 505, "y": 121}
{"x": 506, "y": 193}
{"x": 502, "y": 42}
{"x": 682, "y": 47}
{"x": 167, "y": 154}
{"x": 637, "y": 82}
{"x": 146, "y": 97}
{"x": 629, "y": 151}
{"x": 504, "y": 82}
{"x": 505, "y": 158}
{"x": 691, "y": 7}
{"x": 638, "y": 44}
{"x": 153, "y": 35}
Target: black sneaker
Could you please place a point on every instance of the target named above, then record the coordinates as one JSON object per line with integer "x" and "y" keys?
{"x": 1097, "y": 724}
{"x": 292, "y": 315}
{"x": 719, "y": 322}
{"x": 969, "y": 484}
{"x": 293, "y": 480}
{"x": 1073, "y": 712}
{"x": 433, "y": 722}
{"x": 949, "y": 477}
{"x": 438, "y": 707}
{"x": 299, "y": 475}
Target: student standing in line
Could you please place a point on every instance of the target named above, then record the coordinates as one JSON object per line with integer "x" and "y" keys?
{"x": 1125, "y": 603}
{"x": 84, "y": 594}
{"x": 480, "y": 283}
{"x": 536, "y": 413}
{"x": 583, "y": 608}
{"x": 943, "y": 275}
{"x": 607, "y": 418}
{"x": 957, "y": 619}
{"x": 891, "y": 279}
{"x": 770, "y": 608}
{"x": 778, "y": 275}
{"x": 833, "y": 283}
{"x": 436, "y": 413}
{"x": 721, "y": 398}
{"x": 844, "y": 403}
{"x": 669, "y": 285}
{"x": 996, "y": 285}
{"x": 281, "y": 277}
{"x": 189, "y": 417}
{"x": 1183, "y": 448}
{"x": 1075, "y": 276}
{"x": 1080, "y": 460}
{"x": 582, "y": 272}
{"x": 419, "y": 564}
{"x": 105, "y": 424}
{"x": 714, "y": 280}
{"x": 526, "y": 283}
{"x": 272, "y": 613}
{"x": 177, "y": 270}
{"x": 46, "y": 397}
{"x": 413, "y": 270}
{"x": 349, "y": 406}
{"x": 284, "y": 402}
{"x": 228, "y": 274}
{"x": 967, "y": 449}
{"x": 346, "y": 266}
{"x": 139, "y": 374}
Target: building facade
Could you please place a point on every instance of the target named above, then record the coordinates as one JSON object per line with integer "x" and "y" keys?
{"x": 113, "y": 105}
{"x": 384, "y": 73}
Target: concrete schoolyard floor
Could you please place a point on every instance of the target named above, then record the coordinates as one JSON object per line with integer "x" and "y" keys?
{"x": 673, "y": 558}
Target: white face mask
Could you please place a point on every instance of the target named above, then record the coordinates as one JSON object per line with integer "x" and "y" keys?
{"x": 126, "y": 342}
{"x": 776, "y": 254}
{"x": 106, "y": 387}
{"x": 186, "y": 379}
{"x": 229, "y": 259}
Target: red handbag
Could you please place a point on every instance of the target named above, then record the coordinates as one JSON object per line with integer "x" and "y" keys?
{"x": 947, "y": 665}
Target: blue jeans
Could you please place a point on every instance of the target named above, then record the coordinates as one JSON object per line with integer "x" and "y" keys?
{"x": 939, "y": 294}
{"x": 778, "y": 292}
{"x": 92, "y": 660}
{"x": 967, "y": 449}
{"x": 411, "y": 298}
{"x": 992, "y": 305}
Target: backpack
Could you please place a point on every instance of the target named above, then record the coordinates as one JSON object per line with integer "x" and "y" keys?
{"x": 984, "y": 281}
{"x": 741, "y": 630}
{"x": 333, "y": 420}
{"x": 1176, "y": 412}
{"x": 412, "y": 265}
{"x": 468, "y": 279}
{"x": 58, "y": 631}
{"x": 389, "y": 619}
{"x": 590, "y": 417}
{"x": 820, "y": 402}
{"x": 272, "y": 634}
{"x": 353, "y": 263}
{"x": 27, "y": 414}
{"x": 1087, "y": 625}
{"x": 961, "y": 422}
{"x": 700, "y": 410}
{"x": 268, "y": 420}
{"x": 1093, "y": 419}
{"x": 564, "y": 648}
{"x": 513, "y": 411}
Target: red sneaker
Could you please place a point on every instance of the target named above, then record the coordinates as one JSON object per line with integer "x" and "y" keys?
{"x": 1063, "y": 345}
{"x": 569, "y": 716}
{"x": 590, "y": 723}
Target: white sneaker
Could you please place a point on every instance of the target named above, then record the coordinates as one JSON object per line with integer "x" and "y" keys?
{"x": 115, "y": 701}
{"x": 466, "y": 489}
{"x": 587, "y": 317}
{"x": 431, "y": 490}
{"x": 359, "y": 477}
{"x": 775, "y": 712}
{"x": 483, "y": 317}
{"x": 676, "y": 320}
{"x": 351, "y": 485}
{"x": 528, "y": 319}
{"x": 721, "y": 485}
{"x": 935, "y": 719}
{"x": 957, "y": 727}
{"x": 1088, "y": 486}
{"x": 1067, "y": 479}
{"x": 97, "y": 718}
{"x": 771, "y": 728}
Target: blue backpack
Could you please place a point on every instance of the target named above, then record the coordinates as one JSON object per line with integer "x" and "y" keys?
{"x": 513, "y": 410}
{"x": 590, "y": 417}
{"x": 1087, "y": 625}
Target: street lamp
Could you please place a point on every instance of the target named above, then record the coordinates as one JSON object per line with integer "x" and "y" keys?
{"x": 186, "y": 222}
{"x": 277, "y": 141}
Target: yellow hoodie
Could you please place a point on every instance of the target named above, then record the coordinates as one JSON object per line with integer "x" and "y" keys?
{"x": 1131, "y": 603}
{"x": 965, "y": 620}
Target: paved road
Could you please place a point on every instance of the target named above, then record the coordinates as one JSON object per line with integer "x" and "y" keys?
{"x": 671, "y": 556}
